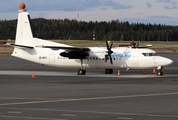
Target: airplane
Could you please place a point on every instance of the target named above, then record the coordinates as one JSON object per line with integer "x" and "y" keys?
{"x": 61, "y": 55}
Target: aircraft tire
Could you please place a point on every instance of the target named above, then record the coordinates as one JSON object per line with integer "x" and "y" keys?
{"x": 81, "y": 72}
{"x": 108, "y": 71}
{"x": 160, "y": 73}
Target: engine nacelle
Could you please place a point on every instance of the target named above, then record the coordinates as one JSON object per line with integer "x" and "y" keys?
{"x": 74, "y": 55}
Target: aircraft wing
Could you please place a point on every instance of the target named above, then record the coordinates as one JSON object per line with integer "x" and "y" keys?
{"x": 71, "y": 52}
{"x": 79, "y": 49}
{"x": 148, "y": 46}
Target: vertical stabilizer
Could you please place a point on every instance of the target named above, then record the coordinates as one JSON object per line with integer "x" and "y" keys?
{"x": 24, "y": 34}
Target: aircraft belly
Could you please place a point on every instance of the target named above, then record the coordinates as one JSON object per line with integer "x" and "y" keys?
{"x": 117, "y": 63}
{"x": 65, "y": 62}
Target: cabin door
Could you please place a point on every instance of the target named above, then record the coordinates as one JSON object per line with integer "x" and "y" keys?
{"x": 135, "y": 61}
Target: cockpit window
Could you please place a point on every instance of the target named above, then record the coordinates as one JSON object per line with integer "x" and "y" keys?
{"x": 150, "y": 54}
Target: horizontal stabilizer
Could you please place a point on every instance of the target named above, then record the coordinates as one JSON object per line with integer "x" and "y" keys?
{"x": 20, "y": 46}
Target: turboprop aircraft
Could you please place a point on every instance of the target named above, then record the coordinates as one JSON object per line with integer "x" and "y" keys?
{"x": 60, "y": 55}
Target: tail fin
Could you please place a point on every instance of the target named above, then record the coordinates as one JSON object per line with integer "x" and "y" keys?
{"x": 24, "y": 35}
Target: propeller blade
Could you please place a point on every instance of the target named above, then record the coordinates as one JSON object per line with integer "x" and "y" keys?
{"x": 106, "y": 58}
{"x": 138, "y": 44}
{"x": 134, "y": 44}
{"x": 111, "y": 45}
{"x": 107, "y": 45}
{"x": 111, "y": 60}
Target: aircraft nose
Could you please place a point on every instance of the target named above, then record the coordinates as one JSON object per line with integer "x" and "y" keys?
{"x": 162, "y": 61}
{"x": 169, "y": 61}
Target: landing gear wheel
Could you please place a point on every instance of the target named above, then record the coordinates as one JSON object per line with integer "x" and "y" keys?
{"x": 81, "y": 72}
{"x": 159, "y": 73}
{"x": 108, "y": 71}
{"x": 159, "y": 70}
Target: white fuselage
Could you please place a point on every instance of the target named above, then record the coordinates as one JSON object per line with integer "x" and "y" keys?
{"x": 123, "y": 57}
{"x": 33, "y": 49}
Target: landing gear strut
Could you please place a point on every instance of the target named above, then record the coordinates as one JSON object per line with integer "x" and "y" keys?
{"x": 108, "y": 71}
{"x": 82, "y": 70}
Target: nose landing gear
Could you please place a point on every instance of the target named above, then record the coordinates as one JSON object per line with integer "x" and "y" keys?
{"x": 159, "y": 73}
{"x": 159, "y": 69}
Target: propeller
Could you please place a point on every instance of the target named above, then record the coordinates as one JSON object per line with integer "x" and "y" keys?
{"x": 109, "y": 53}
{"x": 137, "y": 45}
{"x": 134, "y": 44}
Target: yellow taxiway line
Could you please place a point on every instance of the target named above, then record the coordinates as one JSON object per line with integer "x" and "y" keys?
{"x": 82, "y": 99}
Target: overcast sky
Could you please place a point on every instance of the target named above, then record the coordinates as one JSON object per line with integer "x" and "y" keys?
{"x": 141, "y": 11}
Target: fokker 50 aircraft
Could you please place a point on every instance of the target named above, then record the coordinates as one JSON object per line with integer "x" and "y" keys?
{"x": 60, "y": 55}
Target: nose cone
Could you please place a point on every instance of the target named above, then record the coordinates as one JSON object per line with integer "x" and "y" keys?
{"x": 166, "y": 61}
{"x": 169, "y": 61}
{"x": 162, "y": 61}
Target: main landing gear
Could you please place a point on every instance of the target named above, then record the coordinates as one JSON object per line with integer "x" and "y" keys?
{"x": 108, "y": 71}
{"x": 82, "y": 70}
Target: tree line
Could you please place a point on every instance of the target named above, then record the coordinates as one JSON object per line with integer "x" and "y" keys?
{"x": 81, "y": 30}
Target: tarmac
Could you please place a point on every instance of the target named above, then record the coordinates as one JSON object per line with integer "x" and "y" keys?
{"x": 61, "y": 94}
